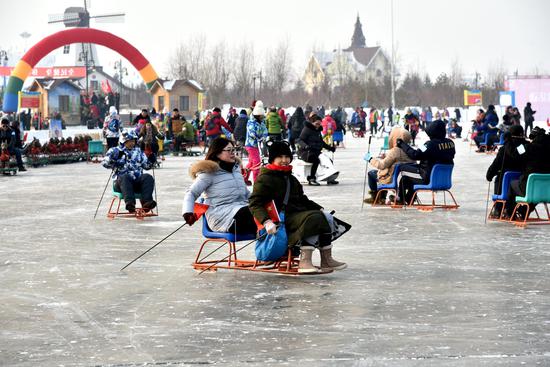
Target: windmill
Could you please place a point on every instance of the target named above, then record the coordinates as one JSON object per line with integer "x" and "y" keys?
{"x": 84, "y": 54}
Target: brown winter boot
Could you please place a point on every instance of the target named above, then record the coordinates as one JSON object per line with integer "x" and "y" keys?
{"x": 328, "y": 262}
{"x": 371, "y": 198}
{"x": 306, "y": 265}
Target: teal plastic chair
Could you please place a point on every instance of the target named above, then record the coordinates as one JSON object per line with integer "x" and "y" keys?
{"x": 95, "y": 149}
{"x": 537, "y": 192}
{"x": 139, "y": 213}
{"x": 386, "y": 145}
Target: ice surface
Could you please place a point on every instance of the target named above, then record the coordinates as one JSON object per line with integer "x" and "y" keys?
{"x": 437, "y": 289}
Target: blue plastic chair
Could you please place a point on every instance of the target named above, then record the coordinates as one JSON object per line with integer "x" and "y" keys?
{"x": 485, "y": 144}
{"x": 440, "y": 180}
{"x": 537, "y": 192}
{"x": 393, "y": 186}
{"x": 287, "y": 265}
{"x": 508, "y": 177}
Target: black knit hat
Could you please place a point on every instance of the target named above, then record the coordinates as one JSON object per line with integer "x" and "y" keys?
{"x": 277, "y": 149}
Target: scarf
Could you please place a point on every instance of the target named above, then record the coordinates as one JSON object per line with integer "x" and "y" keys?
{"x": 274, "y": 167}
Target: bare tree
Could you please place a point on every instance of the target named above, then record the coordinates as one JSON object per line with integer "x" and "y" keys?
{"x": 243, "y": 71}
{"x": 217, "y": 72}
{"x": 187, "y": 60}
{"x": 279, "y": 67}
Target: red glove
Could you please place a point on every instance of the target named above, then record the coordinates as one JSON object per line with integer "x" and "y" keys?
{"x": 190, "y": 218}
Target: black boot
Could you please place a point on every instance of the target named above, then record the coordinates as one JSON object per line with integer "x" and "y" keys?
{"x": 149, "y": 205}
{"x": 131, "y": 206}
{"x": 312, "y": 181}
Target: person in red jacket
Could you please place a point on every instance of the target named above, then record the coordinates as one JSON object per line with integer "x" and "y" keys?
{"x": 213, "y": 125}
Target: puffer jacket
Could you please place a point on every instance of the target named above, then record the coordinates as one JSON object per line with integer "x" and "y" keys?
{"x": 274, "y": 123}
{"x": 126, "y": 161}
{"x": 224, "y": 192}
{"x": 394, "y": 155}
{"x": 240, "y": 128}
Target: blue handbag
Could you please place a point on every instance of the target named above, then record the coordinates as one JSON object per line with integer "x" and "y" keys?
{"x": 271, "y": 247}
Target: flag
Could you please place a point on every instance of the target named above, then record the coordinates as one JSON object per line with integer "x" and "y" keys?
{"x": 106, "y": 86}
{"x": 199, "y": 209}
{"x": 109, "y": 89}
{"x": 272, "y": 212}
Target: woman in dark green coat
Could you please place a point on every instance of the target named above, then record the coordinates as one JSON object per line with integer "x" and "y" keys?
{"x": 306, "y": 224}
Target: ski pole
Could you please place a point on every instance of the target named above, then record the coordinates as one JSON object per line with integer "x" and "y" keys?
{"x": 158, "y": 243}
{"x": 487, "y": 203}
{"x": 365, "y": 179}
{"x": 103, "y": 194}
{"x": 155, "y": 187}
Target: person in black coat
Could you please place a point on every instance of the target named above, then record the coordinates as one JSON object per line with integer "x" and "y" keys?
{"x": 240, "y": 128}
{"x": 12, "y": 140}
{"x": 508, "y": 157}
{"x": 536, "y": 161}
{"x": 437, "y": 150}
{"x": 311, "y": 143}
{"x": 295, "y": 126}
{"x": 528, "y": 115}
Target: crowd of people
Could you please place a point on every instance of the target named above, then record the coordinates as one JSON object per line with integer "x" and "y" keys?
{"x": 271, "y": 139}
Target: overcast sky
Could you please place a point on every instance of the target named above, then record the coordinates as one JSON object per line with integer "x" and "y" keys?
{"x": 429, "y": 34}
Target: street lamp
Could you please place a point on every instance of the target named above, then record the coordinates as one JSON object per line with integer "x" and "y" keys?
{"x": 4, "y": 58}
{"x": 254, "y": 77}
{"x": 83, "y": 56}
{"x": 121, "y": 70}
{"x": 392, "y": 62}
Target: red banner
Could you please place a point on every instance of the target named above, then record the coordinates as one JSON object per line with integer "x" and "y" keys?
{"x": 29, "y": 100}
{"x": 53, "y": 72}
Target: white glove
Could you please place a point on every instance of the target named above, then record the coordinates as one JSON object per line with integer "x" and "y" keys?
{"x": 270, "y": 227}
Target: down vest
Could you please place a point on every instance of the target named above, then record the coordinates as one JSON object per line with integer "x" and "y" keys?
{"x": 224, "y": 192}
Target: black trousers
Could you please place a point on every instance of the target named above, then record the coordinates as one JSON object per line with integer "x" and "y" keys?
{"x": 528, "y": 124}
{"x": 410, "y": 175}
{"x": 513, "y": 191}
{"x": 243, "y": 222}
{"x": 143, "y": 185}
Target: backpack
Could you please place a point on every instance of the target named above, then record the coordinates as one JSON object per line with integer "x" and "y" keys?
{"x": 114, "y": 125}
{"x": 210, "y": 124}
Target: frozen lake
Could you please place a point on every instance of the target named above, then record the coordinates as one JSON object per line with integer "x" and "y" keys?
{"x": 421, "y": 289}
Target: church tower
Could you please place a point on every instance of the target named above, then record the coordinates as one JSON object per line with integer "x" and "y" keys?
{"x": 358, "y": 39}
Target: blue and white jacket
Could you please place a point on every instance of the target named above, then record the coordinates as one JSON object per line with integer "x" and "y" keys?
{"x": 126, "y": 161}
{"x": 255, "y": 132}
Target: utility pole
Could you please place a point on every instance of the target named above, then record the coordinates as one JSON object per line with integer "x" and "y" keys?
{"x": 4, "y": 58}
{"x": 392, "y": 61}
{"x": 121, "y": 70}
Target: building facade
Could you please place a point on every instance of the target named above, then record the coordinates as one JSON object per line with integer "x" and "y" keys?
{"x": 59, "y": 95}
{"x": 356, "y": 62}
{"x": 185, "y": 95}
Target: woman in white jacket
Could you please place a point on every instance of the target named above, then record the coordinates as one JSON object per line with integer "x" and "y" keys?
{"x": 219, "y": 180}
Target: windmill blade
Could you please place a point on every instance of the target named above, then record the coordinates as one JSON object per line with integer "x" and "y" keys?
{"x": 109, "y": 18}
{"x": 87, "y": 4}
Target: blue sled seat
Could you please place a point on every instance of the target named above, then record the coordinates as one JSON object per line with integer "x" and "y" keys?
{"x": 230, "y": 237}
{"x": 440, "y": 180}
{"x": 509, "y": 176}
{"x": 388, "y": 187}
